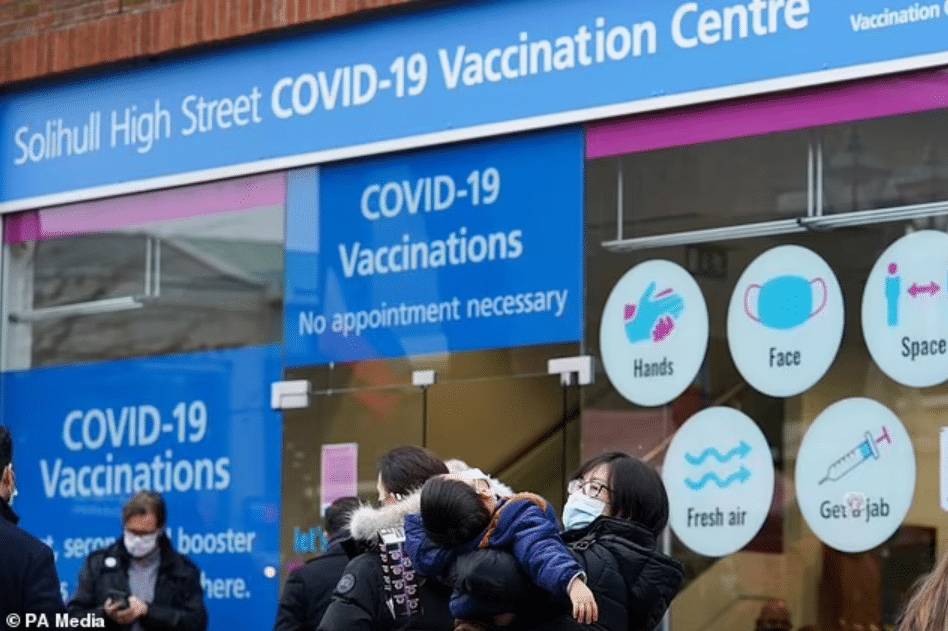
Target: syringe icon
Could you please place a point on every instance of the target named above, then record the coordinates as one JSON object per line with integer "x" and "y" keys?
{"x": 868, "y": 448}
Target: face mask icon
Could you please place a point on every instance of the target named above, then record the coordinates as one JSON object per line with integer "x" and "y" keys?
{"x": 785, "y": 302}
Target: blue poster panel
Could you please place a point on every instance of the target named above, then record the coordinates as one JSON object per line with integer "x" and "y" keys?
{"x": 450, "y": 72}
{"x": 454, "y": 249}
{"x": 197, "y": 428}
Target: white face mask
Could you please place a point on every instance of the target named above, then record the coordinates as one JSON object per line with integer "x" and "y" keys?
{"x": 140, "y": 545}
{"x": 581, "y": 510}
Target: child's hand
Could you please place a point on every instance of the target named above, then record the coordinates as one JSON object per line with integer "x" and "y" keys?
{"x": 585, "y": 609}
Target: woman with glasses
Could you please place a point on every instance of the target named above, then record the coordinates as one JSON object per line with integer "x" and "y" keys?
{"x": 616, "y": 511}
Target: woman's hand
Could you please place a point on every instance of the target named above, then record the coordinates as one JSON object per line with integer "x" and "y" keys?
{"x": 585, "y": 610}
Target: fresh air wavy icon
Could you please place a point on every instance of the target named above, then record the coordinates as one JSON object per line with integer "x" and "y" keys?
{"x": 722, "y": 479}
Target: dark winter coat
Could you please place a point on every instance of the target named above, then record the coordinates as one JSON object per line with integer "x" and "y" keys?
{"x": 178, "y": 603}
{"x": 358, "y": 602}
{"x": 632, "y": 581}
{"x": 307, "y": 590}
{"x": 28, "y": 579}
{"x": 527, "y": 527}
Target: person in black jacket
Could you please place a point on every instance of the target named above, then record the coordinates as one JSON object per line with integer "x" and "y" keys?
{"x": 369, "y": 597}
{"x": 140, "y": 582}
{"x": 616, "y": 510}
{"x": 308, "y": 589}
{"x": 28, "y": 579}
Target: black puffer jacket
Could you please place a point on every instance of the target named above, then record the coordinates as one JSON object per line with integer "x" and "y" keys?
{"x": 633, "y": 582}
{"x": 359, "y": 602}
{"x": 178, "y": 603}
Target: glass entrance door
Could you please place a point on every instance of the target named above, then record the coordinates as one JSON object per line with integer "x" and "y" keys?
{"x": 498, "y": 410}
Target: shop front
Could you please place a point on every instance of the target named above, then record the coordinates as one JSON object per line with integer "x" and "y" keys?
{"x": 713, "y": 236}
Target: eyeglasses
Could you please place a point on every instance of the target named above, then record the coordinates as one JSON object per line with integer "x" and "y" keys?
{"x": 591, "y": 488}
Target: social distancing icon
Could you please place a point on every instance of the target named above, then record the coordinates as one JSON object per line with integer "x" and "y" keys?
{"x": 905, "y": 310}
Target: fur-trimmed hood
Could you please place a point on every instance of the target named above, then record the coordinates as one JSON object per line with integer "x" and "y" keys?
{"x": 366, "y": 521}
{"x": 499, "y": 487}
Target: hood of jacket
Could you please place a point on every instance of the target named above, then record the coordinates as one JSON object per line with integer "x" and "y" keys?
{"x": 366, "y": 522}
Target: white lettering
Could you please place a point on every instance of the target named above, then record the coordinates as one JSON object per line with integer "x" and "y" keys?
{"x": 278, "y": 110}
{"x": 677, "y": 36}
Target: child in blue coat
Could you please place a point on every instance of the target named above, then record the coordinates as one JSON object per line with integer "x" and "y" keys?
{"x": 460, "y": 513}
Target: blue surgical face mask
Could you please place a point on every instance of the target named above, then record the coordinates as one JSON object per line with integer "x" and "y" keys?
{"x": 581, "y": 510}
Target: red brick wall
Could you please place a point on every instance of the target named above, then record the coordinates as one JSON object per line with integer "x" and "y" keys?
{"x": 43, "y": 37}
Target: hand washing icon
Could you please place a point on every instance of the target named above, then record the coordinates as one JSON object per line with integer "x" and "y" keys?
{"x": 654, "y": 316}
{"x": 785, "y": 302}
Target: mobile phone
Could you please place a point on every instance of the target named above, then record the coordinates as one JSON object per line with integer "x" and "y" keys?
{"x": 118, "y": 597}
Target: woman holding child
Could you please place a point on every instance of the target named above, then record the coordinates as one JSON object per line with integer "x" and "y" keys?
{"x": 613, "y": 573}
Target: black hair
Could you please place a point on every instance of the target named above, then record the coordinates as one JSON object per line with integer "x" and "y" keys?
{"x": 406, "y": 468}
{"x": 6, "y": 449}
{"x": 145, "y": 502}
{"x": 337, "y": 514}
{"x": 636, "y": 490}
{"x": 452, "y": 512}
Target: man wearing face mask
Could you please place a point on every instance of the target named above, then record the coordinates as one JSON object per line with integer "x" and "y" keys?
{"x": 140, "y": 582}
{"x": 28, "y": 579}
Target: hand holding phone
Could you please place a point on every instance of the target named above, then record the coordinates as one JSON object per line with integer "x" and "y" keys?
{"x": 118, "y": 598}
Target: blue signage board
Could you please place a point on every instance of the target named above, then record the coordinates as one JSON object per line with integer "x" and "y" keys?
{"x": 452, "y": 249}
{"x": 197, "y": 428}
{"x": 436, "y": 75}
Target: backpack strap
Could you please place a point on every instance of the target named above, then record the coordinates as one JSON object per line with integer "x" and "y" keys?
{"x": 519, "y": 497}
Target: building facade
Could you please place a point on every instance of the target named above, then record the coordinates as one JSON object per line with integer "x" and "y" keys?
{"x": 247, "y": 249}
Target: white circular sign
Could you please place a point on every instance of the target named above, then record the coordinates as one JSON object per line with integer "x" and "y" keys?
{"x": 785, "y": 321}
{"x": 905, "y": 310}
{"x": 855, "y": 475}
{"x": 654, "y": 333}
{"x": 719, "y": 474}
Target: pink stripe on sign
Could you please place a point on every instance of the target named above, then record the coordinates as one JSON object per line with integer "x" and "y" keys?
{"x": 885, "y": 96}
{"x": 124, "y": 212}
